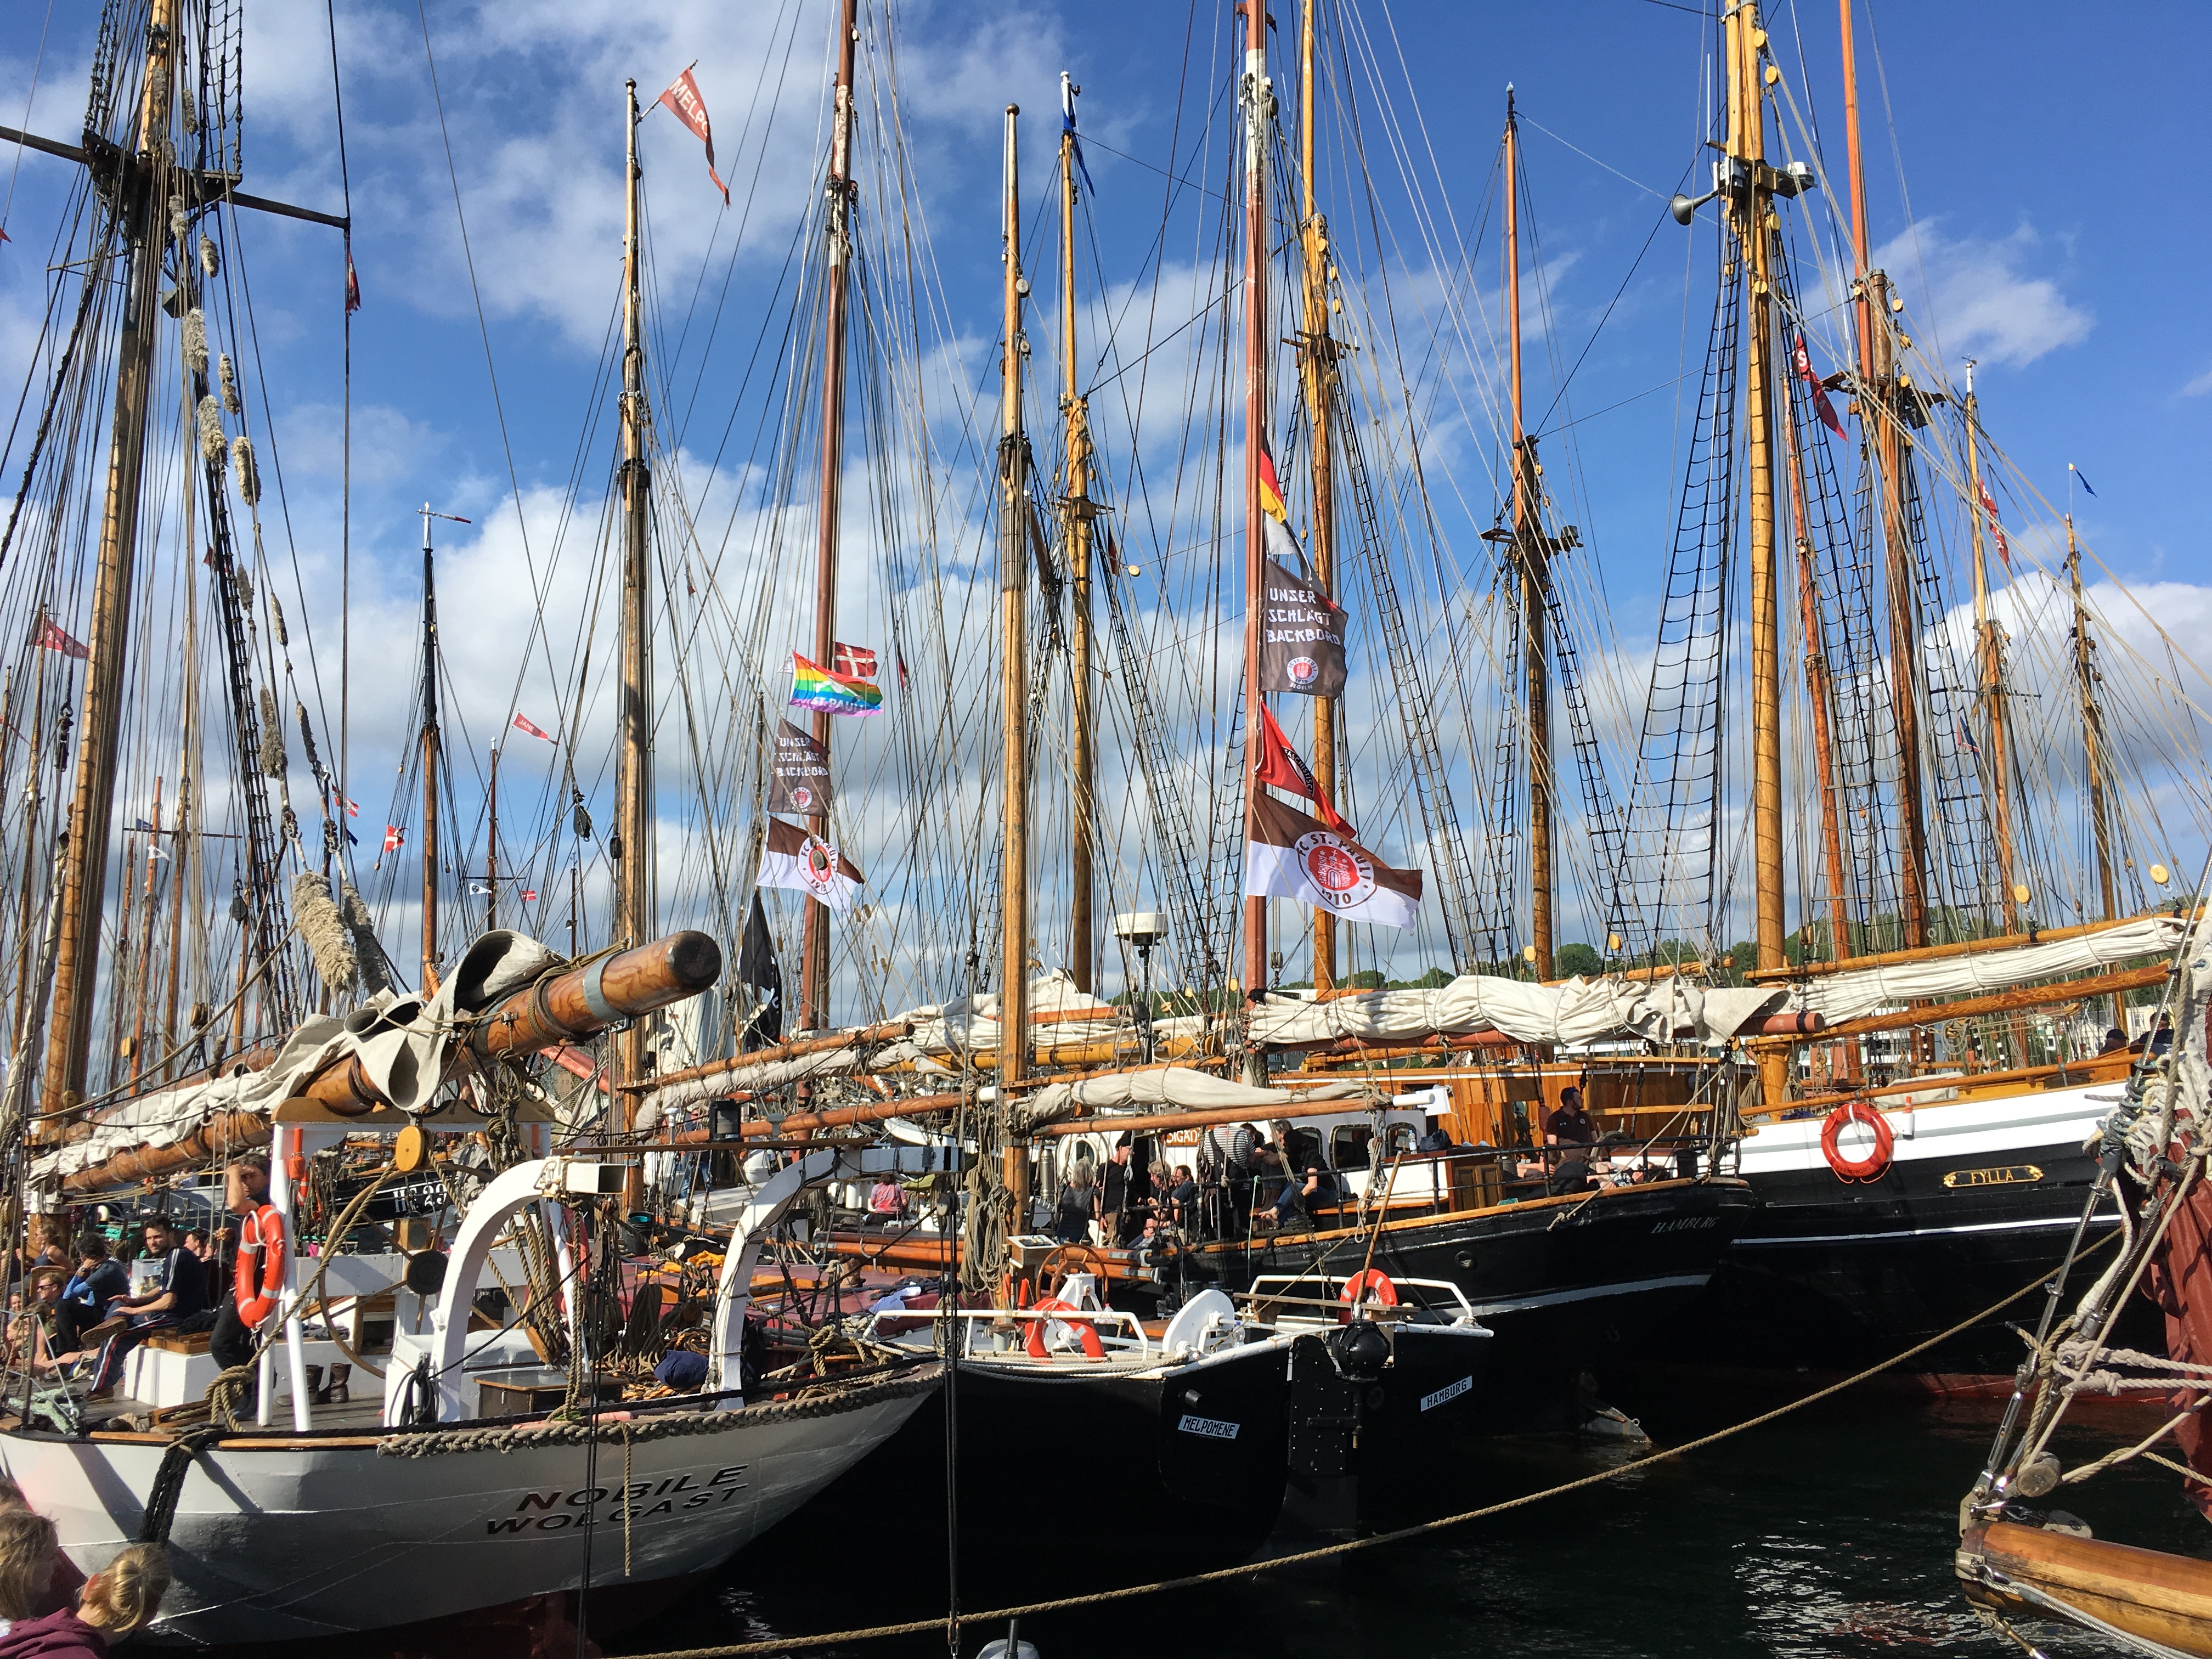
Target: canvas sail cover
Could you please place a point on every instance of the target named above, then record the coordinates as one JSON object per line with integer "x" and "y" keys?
{"x": 1856, "y": 992}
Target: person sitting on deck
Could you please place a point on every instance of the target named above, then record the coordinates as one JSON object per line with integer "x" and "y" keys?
{"x": 2115, "y": 1039}
{"x": 1569, "y": 1125}
{"x": 886, "y": 1200}
{"x": 180, "y": 1291}
{"x": 99, "y": 1283}
{"x": 33, "y": 1335}
{"x": 1317, "y": 1190}
{"x": 1178, "y": 1206}
{"x": 246, "y": 1304}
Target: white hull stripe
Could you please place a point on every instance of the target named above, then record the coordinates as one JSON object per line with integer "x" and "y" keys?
{"x": 2046, "y": 1224}
{"x": 1553, "y": 1298}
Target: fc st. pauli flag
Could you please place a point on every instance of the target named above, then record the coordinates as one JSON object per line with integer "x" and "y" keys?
{"x": 809, "y": 864}
{"x": 813, "y": 686}
{"x": 1292, "y": 856}
{"x": 798, "y": 774}
{"x": 1275, "y": 762}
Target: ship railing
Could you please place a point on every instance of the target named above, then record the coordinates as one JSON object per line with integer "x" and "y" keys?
{"x": 1265, "y": 1304}
{"x": 1112, "y": 1323}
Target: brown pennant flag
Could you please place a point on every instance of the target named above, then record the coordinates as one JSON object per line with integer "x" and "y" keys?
{"x": 684, "y": 100}
{"x": 799, "y": 774}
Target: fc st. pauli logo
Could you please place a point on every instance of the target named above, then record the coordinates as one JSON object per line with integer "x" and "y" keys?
{"x": 817, "y": 866}
{"x": 1339, "y": 869}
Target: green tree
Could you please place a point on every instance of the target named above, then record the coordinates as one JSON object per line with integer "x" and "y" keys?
{"x": 1569, "y": 960}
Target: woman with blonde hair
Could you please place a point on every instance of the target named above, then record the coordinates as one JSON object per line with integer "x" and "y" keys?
{"x": 123, "y": 1596}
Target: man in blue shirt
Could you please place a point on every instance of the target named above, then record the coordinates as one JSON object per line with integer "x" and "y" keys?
{"x": 181, "y": 1292}
{"x": 87, "y": 1299}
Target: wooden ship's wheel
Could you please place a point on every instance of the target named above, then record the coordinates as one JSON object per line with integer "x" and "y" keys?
{"x": 1064, "y": 1261}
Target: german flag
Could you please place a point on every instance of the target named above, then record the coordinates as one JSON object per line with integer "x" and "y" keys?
{"x": 1271, "y": 487}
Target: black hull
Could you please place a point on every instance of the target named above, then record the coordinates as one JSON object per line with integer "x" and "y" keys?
{"x": 1565, "y": 1285}
{"x": 1109, "y": 1456}
{"x": 1832, "y": 1275}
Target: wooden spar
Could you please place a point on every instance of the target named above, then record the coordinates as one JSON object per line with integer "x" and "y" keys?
{"x": 1083, "y": 761}
{"x": 1818, "y": 695}
{"x": 1318, "y": 360}
{"x": 814, "y": 952}
{"x": 2095, "y": 1069}
{"x": 1999, "y": 1002}
{"x": 99, "y": 723}
{"x": 430, "y": 849}
{"x": 1960, "y": 948}
{"x": 1533, "y": 557}
{"x": 890, "y": 1031}
{"x": 146, "y": 945}
{"x": 120, "y": 963}
{"x": 2150, "y": 1596}
{"x": 1751, "y": 210}
{"x": 634, "y": 921}
{"x": 491, "y": 844}
{"x": 629, "y": 985}
{"x": 1862, "y": 293}
{"x": 1013, "y": 635}
{"x": 1259, "y": 99}
{"x": 33, "y": 776}
{"x": 1988, "y": 637}
{"x": 2085, "y": 676}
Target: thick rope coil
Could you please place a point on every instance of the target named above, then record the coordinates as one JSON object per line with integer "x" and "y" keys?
{"x": 658, "y": 1425}
{"x": 228, "y": 376}
{"x": 328, "y": 939}
{"x": 249, "y": 475}
{"x": 210, "y": 257}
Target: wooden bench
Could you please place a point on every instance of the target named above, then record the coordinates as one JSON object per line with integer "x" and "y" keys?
{"x": 185, "y": 1342}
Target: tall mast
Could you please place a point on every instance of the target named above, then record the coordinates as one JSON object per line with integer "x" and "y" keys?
{"x": 633, "y": 919}
{"x": 430, "y": 849}
{"x": 1881, "y": 431}
{"x": 814, "y": 978}
{"x": 1076, "y": 410}
{"x": 1989, "y": 639}
{"x": 1751, "y": 207}
{"x": 1317, "y": 360}
{"x": 2092, "y": 747}
{"x": 491, "y": 845}
{"x": 1013, "y": 650}
{"x": 146, "y": 944}
{"x": 1259, "y": 99}
{"x": 1533, "y": 557}
{"x": 100, "y": 727}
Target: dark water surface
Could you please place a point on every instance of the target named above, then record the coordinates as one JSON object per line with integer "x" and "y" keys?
{"x": 1829, "y": 1533}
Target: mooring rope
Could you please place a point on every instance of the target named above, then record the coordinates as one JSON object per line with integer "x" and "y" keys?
{"x": 1220, "y": 1575}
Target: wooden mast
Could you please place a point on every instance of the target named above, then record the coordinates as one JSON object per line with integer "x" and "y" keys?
{"x": 1988, "y": 637}
{"x": 1259, "y": 100}
{"x": 2092, "y": 748}
{"x": 1076, "y": 411}
{"x": 814, "y": 977}
{"x": 145, "y": 943}
{"x": 430, "y": 849}
{"x": 1317, "y": 360}
{"x": 100, "y": 726}
{"x": 1881, "y": 432}
{"x": 1533, "y": 557}
{"x": 632, "y": 873}
{"x": 1013, "y": 649}
{"x": 1751, "y": 210}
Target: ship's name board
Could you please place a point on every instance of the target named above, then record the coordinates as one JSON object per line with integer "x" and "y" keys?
{"x": 1449, "y": 1391}
{"x": 1213, "y": 1428}
{"x": 642, "y": 1500}
{"x": 1686, "y": 1223}
{"x": 2009, "y": 1174}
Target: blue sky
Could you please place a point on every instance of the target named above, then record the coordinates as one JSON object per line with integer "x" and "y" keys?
{"x": 2055, "y": 229}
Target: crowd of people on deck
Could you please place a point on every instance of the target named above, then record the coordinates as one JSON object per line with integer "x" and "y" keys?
{"x": 1245, "y": 1183}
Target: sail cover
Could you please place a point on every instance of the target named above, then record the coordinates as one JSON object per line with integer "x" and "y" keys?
{"x": 1670, "y": 1010}
{"x": 1856, "y": 992}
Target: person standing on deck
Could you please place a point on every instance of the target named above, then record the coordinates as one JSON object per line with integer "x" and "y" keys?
{"x": 1116, "y": 1192}
{"x": 1571, "y": 1125}
{"x": 259, "y": 1276}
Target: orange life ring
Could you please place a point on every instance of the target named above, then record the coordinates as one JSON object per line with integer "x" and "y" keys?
{"x": 1368, "y": 1284}
{"x": 257, "y": 1275}
{"x": 1086, "y": 1332}
{"x": 1869, "y": 1168}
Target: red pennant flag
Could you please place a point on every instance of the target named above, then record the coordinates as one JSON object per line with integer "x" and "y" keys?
{"x": 1279, "y": 764}
{"x": 1996, "y": 530}
{"x": 51, "y": 638}
{"x": 393, "y": 835}
{"x": 1821, "y": 406}
{"x": 353, "y": 283}
{"x": 684, "y": 100}
{"x": 853, "y": 661}
{"x": 522, "y": 723}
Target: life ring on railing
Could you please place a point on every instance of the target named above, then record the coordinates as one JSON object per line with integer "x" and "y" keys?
{"x": 1869, "y": 1168}
{"x": 1086, "y": 1332}
{"x": 1368, "y": 1284}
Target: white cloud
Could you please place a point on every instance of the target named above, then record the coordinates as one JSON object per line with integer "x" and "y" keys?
{"x": 2199, "y": 386}
{"x": 1976, "y": 297}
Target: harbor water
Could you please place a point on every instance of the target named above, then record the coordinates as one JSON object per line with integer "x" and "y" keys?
{"x": 1826, "y": 1533}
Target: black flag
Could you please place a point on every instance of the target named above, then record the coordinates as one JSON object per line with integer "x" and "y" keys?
{"x": 756, "y": 968}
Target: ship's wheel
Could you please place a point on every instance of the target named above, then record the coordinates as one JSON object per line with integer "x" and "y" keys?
{"x": 1064, "y": 1261}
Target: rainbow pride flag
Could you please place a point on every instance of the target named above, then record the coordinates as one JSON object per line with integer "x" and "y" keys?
{"x": 813, "y": 686}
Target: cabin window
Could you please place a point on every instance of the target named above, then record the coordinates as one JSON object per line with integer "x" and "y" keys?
{"x": 1348, "y": 1146}
{"x": 1399, "y": 1141}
